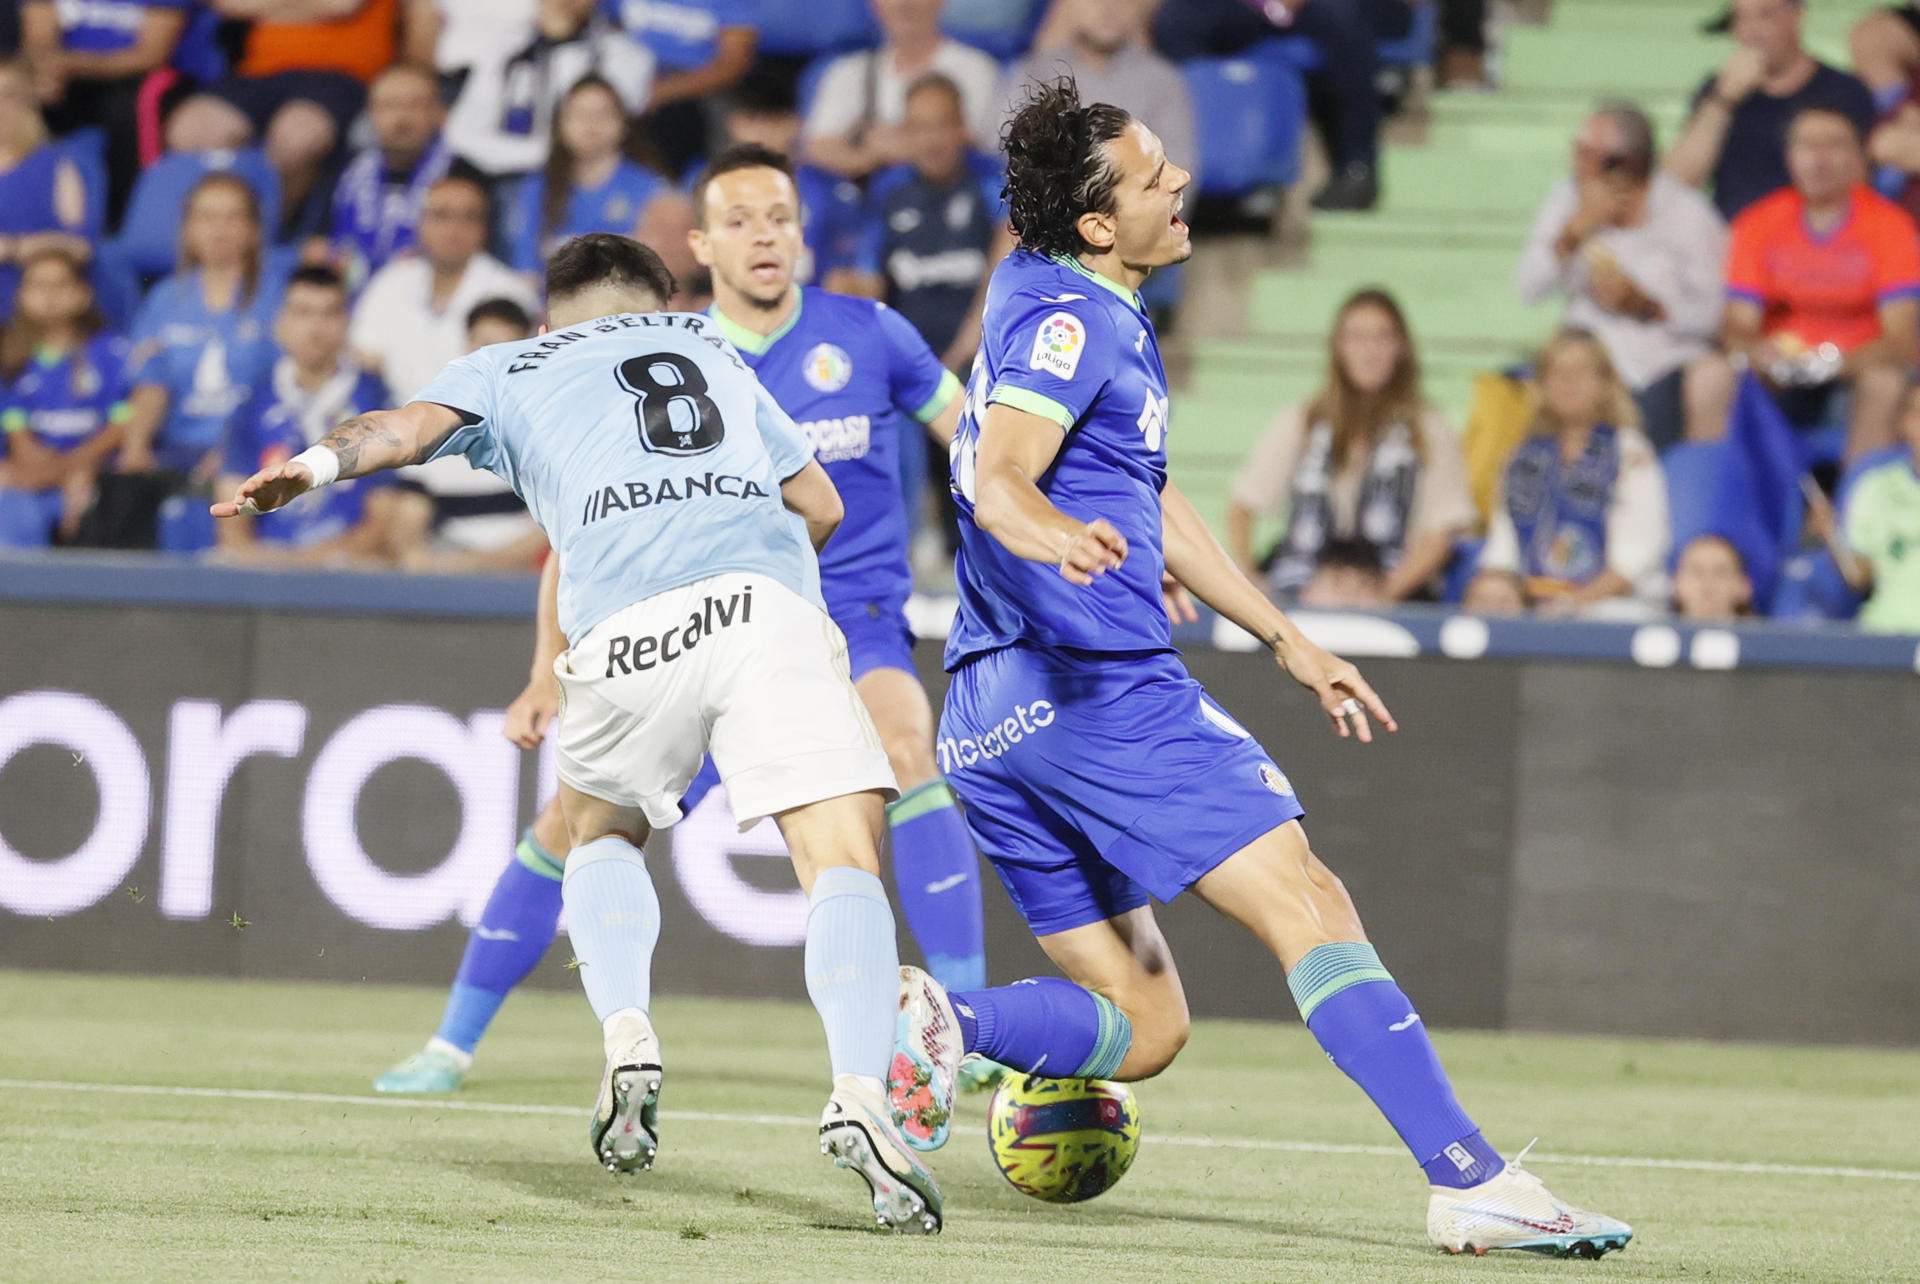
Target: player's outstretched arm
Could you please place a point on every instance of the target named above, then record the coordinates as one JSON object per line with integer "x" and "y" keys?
{"x": 812, "y": 494}
{"x": 1015, "y": 449}
{"x": 1196, "y": 559}
{"x": 368, "y": 443}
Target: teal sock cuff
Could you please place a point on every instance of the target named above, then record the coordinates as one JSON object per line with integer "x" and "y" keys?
{"x": 1110, "y": 1045}
{"x": 1329, "y": 969}
{"x": 920, "y": 800}
{"x": 537, "y": 858}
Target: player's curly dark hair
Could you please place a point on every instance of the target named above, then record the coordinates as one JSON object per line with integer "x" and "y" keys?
{"x": 1058, "y": 167}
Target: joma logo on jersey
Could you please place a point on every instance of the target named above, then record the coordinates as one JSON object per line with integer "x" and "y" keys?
{"x": 636, "y": 495}
{"x": 1153, "y": 421}
{"x": 845, "y": 438}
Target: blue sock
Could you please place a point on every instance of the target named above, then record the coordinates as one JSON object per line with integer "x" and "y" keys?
{"x": 1045, "y": 1025}
{"x": 701, "y": 785}
{"x": 613, "y": 916}
{"x": 936, "y": 875}
{"x": 1369, "y": 1029}
{"x": 510, "y": 939}
{"x": 853, "y": 969}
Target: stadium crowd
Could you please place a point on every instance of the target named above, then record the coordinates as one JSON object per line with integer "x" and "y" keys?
{"x": 225, "y": 225}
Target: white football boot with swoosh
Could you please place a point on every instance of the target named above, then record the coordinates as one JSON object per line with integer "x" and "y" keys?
{"x": 1514, "y": 1210}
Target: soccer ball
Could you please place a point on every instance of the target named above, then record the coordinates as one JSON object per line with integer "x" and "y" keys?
{"x": 1062, "y": 1140}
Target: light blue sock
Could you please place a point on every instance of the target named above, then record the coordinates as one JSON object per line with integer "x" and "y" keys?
{"x": 613, "y": 917}
{"x": 853, "y": 969}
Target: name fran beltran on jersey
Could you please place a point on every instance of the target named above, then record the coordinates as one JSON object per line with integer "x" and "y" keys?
{"x": 646, "y": 449}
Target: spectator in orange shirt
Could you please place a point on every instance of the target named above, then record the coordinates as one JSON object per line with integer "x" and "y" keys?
{"x": 1823, "y": 293}
{"x": 298, "y": 87}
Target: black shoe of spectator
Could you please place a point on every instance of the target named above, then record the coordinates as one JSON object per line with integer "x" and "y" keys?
{"x": 1357, "y": 187}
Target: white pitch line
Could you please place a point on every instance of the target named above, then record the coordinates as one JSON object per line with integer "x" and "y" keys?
{"x": 796, "y": 1121}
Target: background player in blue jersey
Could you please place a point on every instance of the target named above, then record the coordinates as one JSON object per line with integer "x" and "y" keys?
{"x": 859, "y": 379}
{"x": 668, "y": 482}
{"x": 1099, "y": 776}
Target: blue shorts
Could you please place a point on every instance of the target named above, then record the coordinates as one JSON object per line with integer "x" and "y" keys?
{"x": 1093, "y": 782}
{"x": 877, "y": 635}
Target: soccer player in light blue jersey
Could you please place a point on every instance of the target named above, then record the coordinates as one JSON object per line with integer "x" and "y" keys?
{"x": 1097, "y": 775}
{"x": 667, "y": 480}
{"x": 856, "y": 376}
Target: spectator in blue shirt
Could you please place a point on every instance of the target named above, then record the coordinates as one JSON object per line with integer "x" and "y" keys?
{"x": 43, "y": 201}
{"x": 382, "y": 190}
{"x": 201, "y": 340}
{"x": 313, "y": 387}
{"x": 701, "y": 48}
{"x": 931, "y": 223}
{"x": 62, "y": 388}
{"x": 587, "y": 184}
{"x": 89, "y": 63}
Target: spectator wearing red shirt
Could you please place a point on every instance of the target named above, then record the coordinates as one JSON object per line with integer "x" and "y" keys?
{"x": 1823, "y": 292}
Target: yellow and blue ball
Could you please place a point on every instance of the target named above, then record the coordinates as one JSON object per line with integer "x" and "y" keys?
{"x": 1062, "y": 1140}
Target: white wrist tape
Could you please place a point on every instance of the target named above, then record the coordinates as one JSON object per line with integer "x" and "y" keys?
{"x": 321, "y": 462}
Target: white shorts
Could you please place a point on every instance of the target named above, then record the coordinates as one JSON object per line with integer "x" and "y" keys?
{"x": 737, "y": 665}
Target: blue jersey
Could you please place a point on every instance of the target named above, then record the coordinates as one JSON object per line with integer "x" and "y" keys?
{"x": 646, "y": 450}
{"x": 376, "y": 214}
{"x": 614, "y": 206}
{"x": 279, "y": 420}
{"x": 831, "y": 221}
{"x": 1060, "y": 342}
{"x": 68, "y": 399}
{"x": 206, "y": 361}
{"x": 106, "y": 26}
{"x": 680, "y": 33}
{"x": 855, "y": 375}
{"x": 27, "y": 206}
{"x": 930, "y": 241}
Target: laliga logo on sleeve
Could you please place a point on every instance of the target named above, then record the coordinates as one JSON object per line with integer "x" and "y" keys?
{"x": 827, "y": 368}
{"x": 1058, "y": 344}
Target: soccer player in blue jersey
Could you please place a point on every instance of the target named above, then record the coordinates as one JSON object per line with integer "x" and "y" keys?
{"x": 668, "y": 482}
{"x": 1097, "y": 775}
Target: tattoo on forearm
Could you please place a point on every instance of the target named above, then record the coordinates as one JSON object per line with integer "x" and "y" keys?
{"x": 346, "y": 441}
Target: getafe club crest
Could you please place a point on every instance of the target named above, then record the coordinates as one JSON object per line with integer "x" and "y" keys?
{"x": 827, "y": 368}
{"x": 1275, "y": 779}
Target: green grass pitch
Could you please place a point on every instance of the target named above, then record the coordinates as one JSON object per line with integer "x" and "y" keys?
{"x": 1260, "y": 1162}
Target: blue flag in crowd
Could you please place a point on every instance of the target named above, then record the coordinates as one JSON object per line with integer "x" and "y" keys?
{"x": 1759, "y": 506}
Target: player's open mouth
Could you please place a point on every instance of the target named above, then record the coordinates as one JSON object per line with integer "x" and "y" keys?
{"x": 1179, "y": 224}
{"x": 764, "y": 269}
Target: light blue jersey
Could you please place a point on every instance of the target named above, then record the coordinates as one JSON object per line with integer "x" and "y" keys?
{"x": 646, "y": 450}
